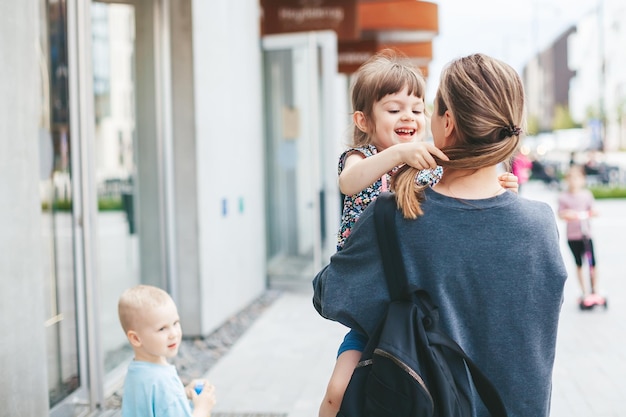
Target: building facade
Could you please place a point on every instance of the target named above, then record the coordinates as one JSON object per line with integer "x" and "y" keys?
{"x": 598, "y": 92}
{"x": 582, "y": 70}
{"x": 169, "y": 142}
{"x": 134, "y": 153}
{"x": 546, "y": 78}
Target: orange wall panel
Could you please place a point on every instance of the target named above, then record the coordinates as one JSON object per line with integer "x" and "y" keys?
{"x": 413, "y": 50}
{"x": 398, "y": 15}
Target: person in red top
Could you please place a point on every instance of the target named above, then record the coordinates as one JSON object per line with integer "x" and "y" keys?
{"x": 521, "y": 168}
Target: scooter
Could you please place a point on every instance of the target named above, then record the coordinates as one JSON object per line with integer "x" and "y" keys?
{"x": 592, "y": 300}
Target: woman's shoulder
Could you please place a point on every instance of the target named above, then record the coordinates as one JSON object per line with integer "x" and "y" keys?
{"x": 532, "y": 205}
{"x": 535, "y": 212}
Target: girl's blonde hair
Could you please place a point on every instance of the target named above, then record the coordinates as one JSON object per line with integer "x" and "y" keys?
{"x": 387, "y": 72}
{"x": 485, "y": 98}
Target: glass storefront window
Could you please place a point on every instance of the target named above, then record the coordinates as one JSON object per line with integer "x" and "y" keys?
{"x": 88, "y": 265}
{"x": 56, "y": 207}
{"x": 113, "y": 40}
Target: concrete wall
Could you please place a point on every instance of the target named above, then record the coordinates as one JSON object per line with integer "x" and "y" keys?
{"x": 229, "y": 156}
{"x": 23, "y": 386}
{"x": 185, "y": 168}
{"x": 149, "y": 206}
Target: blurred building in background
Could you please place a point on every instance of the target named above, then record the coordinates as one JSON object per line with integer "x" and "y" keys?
{"x": 581, "y": 76}
{"x": 187, "y": 144}
{"x": 547, "y": 78}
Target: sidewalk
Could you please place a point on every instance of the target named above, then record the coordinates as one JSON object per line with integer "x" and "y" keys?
{"x": 280, "y": 367}
{"x": 590, "y": 368}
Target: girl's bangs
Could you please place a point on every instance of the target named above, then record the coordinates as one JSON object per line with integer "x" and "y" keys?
{"x": 397, "y": 79}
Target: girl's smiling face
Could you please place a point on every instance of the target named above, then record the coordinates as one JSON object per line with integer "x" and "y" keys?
{"x": 398, "y": 118}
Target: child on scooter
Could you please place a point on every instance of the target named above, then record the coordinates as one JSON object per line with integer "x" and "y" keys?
{"x": 576, "y": 207}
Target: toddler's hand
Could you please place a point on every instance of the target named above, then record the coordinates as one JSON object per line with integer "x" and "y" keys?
{"x": 196, "y": 386}
{"x": 204, "y": 402}
{"x": 509, "y": 181}
{"x": 419, "y": 155}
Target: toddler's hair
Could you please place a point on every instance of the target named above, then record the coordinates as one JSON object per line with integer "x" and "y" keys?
{"x": 387, "y": 72}
{"x": 137, "y": 299}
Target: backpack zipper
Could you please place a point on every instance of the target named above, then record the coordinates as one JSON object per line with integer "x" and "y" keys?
{"x": 366, "y": 362}
{"x": 409, "y": 371}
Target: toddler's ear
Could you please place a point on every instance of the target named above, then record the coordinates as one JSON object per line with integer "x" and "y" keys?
{"x": 133, "y": 338}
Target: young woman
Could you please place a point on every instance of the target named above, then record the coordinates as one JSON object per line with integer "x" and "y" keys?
{"x": 389, "y": 131}
{"x": 490, "y": 259}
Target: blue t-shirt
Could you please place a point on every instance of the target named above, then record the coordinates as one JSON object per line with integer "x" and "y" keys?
{"x": 152, "y": 390}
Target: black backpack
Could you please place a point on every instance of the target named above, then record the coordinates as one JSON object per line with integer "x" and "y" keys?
{"x": 409, "y": 366}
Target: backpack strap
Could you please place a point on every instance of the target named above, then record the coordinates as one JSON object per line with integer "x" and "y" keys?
{"x": 385, "y": 210}
{"x": 384, "y": 218}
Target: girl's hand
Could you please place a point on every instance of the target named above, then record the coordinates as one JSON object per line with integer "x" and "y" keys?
{"x": 419, "y": 155}
{"x": 509, "y": 181}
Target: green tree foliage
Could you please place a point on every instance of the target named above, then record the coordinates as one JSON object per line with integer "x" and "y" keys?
{"x": 563, "y": 119}
{"x": 532, "y": 125}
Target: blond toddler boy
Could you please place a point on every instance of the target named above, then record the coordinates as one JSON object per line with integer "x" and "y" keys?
{"x": 152, "y": 387}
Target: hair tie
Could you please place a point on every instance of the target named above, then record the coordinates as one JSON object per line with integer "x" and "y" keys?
{"x": 510, "y": 130}
{"x": 429, "y": 176}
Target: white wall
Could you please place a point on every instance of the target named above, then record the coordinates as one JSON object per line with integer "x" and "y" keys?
{"x": 23, "y": 386}
{"x": 229, "y": 137}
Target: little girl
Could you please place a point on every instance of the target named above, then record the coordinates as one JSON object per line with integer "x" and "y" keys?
{"x": 576, "y": 207}
{"x": 389, "y": 115}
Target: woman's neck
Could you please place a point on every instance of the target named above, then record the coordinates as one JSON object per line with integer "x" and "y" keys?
{"x": 470, "y": 184}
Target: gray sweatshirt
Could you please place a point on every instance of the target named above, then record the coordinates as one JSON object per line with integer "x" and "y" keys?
{"x": 493, "y": 266}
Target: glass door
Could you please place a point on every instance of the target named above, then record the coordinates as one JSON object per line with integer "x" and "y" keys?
{"x": 299, "y": 71}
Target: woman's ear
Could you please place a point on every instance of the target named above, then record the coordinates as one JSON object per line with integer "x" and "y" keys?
{"x": 448, "y": 127}
{"x": 360, "y": 121}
